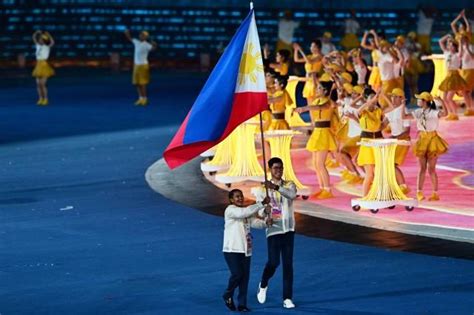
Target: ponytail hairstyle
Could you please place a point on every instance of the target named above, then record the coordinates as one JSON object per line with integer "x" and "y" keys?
{"x": 432, "y": 105}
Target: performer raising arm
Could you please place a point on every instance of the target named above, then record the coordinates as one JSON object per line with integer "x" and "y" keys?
{"x": 141, "y": 69}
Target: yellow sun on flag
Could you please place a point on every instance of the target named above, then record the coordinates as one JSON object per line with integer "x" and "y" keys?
{"x": 249, "y": 65}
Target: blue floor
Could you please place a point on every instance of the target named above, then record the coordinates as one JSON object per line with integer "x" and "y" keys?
{"x": 82, "y": 233}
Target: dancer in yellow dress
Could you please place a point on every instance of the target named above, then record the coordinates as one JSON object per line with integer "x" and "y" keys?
{"x": 374, "y": 79}
{"x": 282, "y": 64}
{"x": 429, "y": 145}
{"x": 279, "y": 101}
{"x": 467, "y": 73}
{"x": 322, "y": 140}
{"x": 312, "y": 65}
{"x": 395, "y": 115}
{"x": 463, "y": 29}
{"x": 371, "y": 122}
{"x": 42, "y": 71}
{"x": 141, "y": 69}
{"x": 453, "y": 82}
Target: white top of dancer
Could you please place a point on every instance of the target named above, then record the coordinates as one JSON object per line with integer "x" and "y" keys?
{"x": 467, "y": 61}
{"x": 238, "y": 221}
{"x": 354, "y": 126}
{"x": 286, "y": 30}
{"x": 424, "y": 24}
{"x": 361, "y": 74}
{"x": 282, "y": 202}
{"x": 426, "y": 119}
{"x": 42, "y": 52}
{"x": 397, "y": 124}
{"x": 453, "y": 62}
{"x": 386, "y": 65}
{"x": 142, "y": 49}
{"x": 351, "y": 26}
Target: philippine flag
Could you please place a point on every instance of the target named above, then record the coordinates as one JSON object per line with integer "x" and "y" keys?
{"x": 234, "y": 92}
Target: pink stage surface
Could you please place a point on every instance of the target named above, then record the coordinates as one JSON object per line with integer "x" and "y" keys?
{"x": 453, "y": 214}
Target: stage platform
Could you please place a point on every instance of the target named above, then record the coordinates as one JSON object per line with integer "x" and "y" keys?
{"x": 448, "y": 221}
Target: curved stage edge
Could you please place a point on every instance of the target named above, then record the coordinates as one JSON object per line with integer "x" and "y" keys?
{"x": 189, "y": 186}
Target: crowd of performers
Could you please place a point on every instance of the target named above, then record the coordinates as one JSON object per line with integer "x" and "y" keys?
{"x": 350, "y": 102}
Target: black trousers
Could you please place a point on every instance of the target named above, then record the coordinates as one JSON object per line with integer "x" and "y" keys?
{"x": 239, "y": 266}
{"x": 280, "y": 245}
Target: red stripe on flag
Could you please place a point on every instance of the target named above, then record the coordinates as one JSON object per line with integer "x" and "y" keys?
{"x": 245, "y": 106}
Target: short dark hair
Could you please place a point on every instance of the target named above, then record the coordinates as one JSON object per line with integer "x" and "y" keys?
{"x": 317, "y": 42}
{"x": 232, "y": 192}
{"x": 281, "y": 81}
{"x": 274, "y": 160}
{"x": 285, "y": 53}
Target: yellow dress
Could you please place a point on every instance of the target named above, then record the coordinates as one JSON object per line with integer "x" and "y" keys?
{"x": 430, "y": 144}
{"x": 283, "y": 71}
{"x": 369, "y": 122}
{"x": 375, "y": 81}
{"x": 425, "y": 43}
{"x": 278, "y": 108}
{"x": 453, "y": 82}
{"x": 322, "y": 139}
{"x": 468, "y": 76}
{"x": 42, "y": 69}
{"x": 309, "y": 90}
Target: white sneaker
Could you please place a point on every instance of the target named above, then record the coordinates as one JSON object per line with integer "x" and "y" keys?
{"x": 262, "y": 294}
{"x": 288, "y": 304}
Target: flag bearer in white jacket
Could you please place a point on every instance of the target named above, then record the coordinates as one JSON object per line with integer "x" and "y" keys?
{"x": 238, "y": 244}
{"x": 281, "y": 234}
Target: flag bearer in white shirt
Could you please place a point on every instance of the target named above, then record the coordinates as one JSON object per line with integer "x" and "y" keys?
{"x": 237, "y": 246}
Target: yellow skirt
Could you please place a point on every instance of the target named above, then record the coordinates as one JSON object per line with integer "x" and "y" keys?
{"x": 141, "y": 74}
{"x": 375, "y": 81}
{"x": 350, "y": 146}
{"x": 453, "y": 82}
{"x": 279, "y": 124}
{"x": 366, "y": 154}
{"x": 402, "y": 150}
{"x": 341, "y": 134}
{"x": 430, "y": 144}
{"x": 42, "y": 69}
{"x": 321, "y": 140}
{"x": 350, "y": 41}
{"x": 425, "y": 43}
{"x": 468, "y": 76}
{"x": 309, "y": 90}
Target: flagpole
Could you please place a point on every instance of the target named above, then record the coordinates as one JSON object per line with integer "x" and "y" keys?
{"x": 262, "y": 137}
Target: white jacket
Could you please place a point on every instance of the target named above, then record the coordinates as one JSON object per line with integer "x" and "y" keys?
{"x": 237, "y": 224}
{"x": 287, "y": 191}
